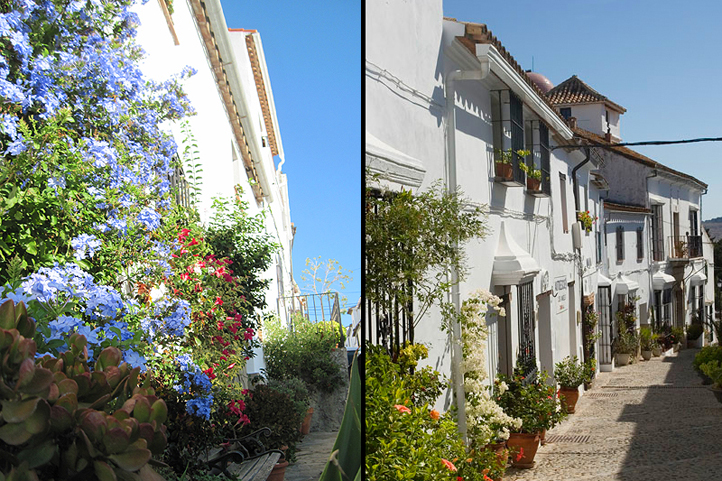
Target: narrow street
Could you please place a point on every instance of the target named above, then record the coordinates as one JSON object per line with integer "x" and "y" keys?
{"x": 650, "y": 420}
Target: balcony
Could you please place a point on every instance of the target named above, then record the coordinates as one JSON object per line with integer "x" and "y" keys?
{"x": 313, "y": 307}
{"x": 684, "y": 248}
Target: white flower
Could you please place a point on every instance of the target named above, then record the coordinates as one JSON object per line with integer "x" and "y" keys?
{"x": 157, "y": 292}
{"x": 503, "y": 387}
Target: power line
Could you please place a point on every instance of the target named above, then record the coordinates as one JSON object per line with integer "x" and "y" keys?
{"x": 590, "y": 143}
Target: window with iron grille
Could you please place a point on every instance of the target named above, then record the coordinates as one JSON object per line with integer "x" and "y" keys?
{"x": 620, "y": 244}
{"x": 599, "y": 246}
{"x": 545, "y": 156}
{"x": 640, "y": 243}
{"x": 527, "y": 338}
{"x": 388, "y": 327}
{"x": 516, "y": 111}
{"x": 657, "y": 233}
{"x": 563, "y": 199}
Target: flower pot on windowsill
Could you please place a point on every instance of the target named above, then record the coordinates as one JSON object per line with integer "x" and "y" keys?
{"x": 533, "y": 185}
{"x": 571, "y": 396}
{"x": 504, "y": 171}
{"x": 525, "y": 444}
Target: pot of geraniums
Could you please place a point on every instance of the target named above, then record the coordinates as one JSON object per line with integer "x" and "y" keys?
{"x": 533, "y": 177}
{"x": 586, "y": 219}
{"x": 645, "y": 343}
{"x": 694, "y": 334}
{"x": 569, "y": 374}
{"x": 625, "y": 346}
{"x": 713, "y": 369}
{"x": 538, "y": 407}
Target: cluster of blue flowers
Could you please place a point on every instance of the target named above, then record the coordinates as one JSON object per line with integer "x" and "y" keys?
{"x": 171, "y": 318}
{"x": 85, "y": 245}
{"x": 195, "y": 381}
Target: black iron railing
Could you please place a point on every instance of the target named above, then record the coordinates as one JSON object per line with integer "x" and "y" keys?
{"x": 687, "y": 247}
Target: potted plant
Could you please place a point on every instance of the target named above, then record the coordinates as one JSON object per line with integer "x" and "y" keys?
{"x": 504, "y": 165}
{"x": 569, "y": 374}
{"x": 713, "y": 370}
{"x": 586, "y": 219}
{"x": 533, "y": 177}
{"x": 297, "y": 391}
{"x": 656, "y": 346}
{"x": 646, "y": 342}
{"x": 537, "y": 405}
{"x": 676, "y": 334}
{"x": 625, "y": 346}
{"x": 694, "y": 334}
{"x": 590, "y": 370}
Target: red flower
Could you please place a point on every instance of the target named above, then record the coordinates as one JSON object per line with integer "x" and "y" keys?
{"x": 185, "y": 276}
{"x": 193, "y": 242}
{"x": 402, "y": 408}
{"x": 434, "y": 414}
{"x": 449, "y": 465}
{"x": 183, "y": 234}
{"x": 209, "y": 372}
{"x": 219, "y": 301}
{"x": 220, "y": 325}
{"x": 520, "y": 455}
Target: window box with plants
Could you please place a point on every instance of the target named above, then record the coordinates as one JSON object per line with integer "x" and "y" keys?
{"x": 504, "y": 167}
{"x": 587, "y": 220}
{"x": 533, "y": 178}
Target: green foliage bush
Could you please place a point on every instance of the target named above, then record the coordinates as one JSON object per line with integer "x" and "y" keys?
{"x": 536, "y": 403}
{"x": 705, "y": 355}
{"x": 62, "y": 419}
{"x": 646, "y": 339}
{"x": 296, "y": 390}
{"x": 304, "y": 353}
{"x": 694, "y": 330}
{"x": 713, "y": 370}
{"x": 570, "y": 372}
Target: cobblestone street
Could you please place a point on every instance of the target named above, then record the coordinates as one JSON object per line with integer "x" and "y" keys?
{"x": 650, "y": 420}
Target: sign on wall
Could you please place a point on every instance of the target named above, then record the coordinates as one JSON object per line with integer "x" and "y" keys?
{"x": 560, "y": 294}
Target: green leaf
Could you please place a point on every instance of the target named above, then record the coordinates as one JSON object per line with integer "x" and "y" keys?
{"x": 18, "y": 411}
{"x": 31, "y": 247}
{"x": 38, "y": 455}
{"x": 131, "y": 460}
{"x": 14, "y": 434}
{"x": 103, "y": 471}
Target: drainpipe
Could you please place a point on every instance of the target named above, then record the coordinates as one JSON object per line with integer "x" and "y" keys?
{"x": 451, "y": 185}
{"x": 581, "y": 267}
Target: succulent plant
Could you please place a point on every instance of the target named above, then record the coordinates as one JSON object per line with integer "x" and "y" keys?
{"x": 60, "y": 419}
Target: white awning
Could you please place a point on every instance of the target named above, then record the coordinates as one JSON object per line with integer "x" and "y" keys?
{"x": 697, "y": 278}
{"x": 623, "y": 285}
{"x": 511, "y": 262}
{"x": 603, "y": 281}
{"x": 661, "y": 280}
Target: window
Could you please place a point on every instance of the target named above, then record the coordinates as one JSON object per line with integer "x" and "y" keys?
{"x": 599, "y": 247}
{"x": 527, "y": 336}
{"x": 620, "y": 243}
{"x": 657, "y": 233}
{"x": 516, "y": 111}
{"x": 640, "y": 243}
{"x": 566, "y": 112}
{"x": 563, "y": 199}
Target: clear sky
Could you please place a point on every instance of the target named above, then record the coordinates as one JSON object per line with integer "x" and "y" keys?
{"x": 658, "y": 59}
{"x": 313, "y": 52}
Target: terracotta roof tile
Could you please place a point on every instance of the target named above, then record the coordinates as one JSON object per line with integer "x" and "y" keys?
{"x": 574, "y": 91}
{"x": 479, "y": 33}
{"x": 631, "y": 154}
{"x": 617, "y": 207}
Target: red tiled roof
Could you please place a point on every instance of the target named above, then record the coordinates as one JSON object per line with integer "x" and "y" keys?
{"x": 631, "y": 154}
{"x": 479, "y": 33}
{"x": 626, "y": 208}
{"x": 574, "y": 91}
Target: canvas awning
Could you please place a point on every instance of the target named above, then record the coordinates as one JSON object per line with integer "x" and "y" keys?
{"x": 662, "y": 280}
{"x": 623, "y": 285}
{"x": 512, "y": 264}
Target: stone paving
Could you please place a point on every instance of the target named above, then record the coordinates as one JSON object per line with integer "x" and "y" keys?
{"x": 311, "y": 456}
{"x": 648, "y": 420}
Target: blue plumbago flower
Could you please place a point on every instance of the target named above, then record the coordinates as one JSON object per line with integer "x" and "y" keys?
{"x": 90, "y": 334}
{"x": 186, "y": 362}
{"x": 200, "y": 406}
{"x": 85, "y": 245}
{"x": 19, "y": 295}
{"x": 65, "y": 324}
{"x": 149, "y": 218}
{"x": 135, "y": 359}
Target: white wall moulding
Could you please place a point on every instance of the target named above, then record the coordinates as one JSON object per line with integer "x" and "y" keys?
{"x": 392, "y": 164}
{"x": 603, "y": 281}
{"x": 512, "y": 264}
{"x": 697, "y": 278}
{"x": 662, "y": 280}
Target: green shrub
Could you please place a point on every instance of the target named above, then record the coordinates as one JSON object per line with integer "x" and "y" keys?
{"x": 626, "y": 343}
{"x": 705, "y": 355}
{"x": 713, "y": 370}
{"x": 296, "y": 390}
{"x": 63, "y": 420}
{"x": 268, "y": 407}
{"x": 694, "y": 330}
{"x": 305, "y": 353}
{"x": 570, "y": 372}
{"x": 646, "y": 340}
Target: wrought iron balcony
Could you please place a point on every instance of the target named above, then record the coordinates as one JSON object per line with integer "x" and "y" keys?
{"x": 687, "y": 247}
{"x": 313, "y": 307}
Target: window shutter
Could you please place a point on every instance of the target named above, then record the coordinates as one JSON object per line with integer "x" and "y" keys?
{"x": 620, "y": 244}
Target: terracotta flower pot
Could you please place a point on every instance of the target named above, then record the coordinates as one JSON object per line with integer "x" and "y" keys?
{"x": 525, "y": 446}
{"x": 533, "y": 184}
{"x": 501, "y": 451}
{"x": 505, "y": 171}
{"x": 306, "y": 424}
{"x": 543, "y": 437}
{"x": 278, "y": 472}
{"x": 571, "y": 396}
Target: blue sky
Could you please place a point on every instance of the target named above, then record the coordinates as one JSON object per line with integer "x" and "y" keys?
{"x": 658, "y": 59}
{"x": 313, "y": 52}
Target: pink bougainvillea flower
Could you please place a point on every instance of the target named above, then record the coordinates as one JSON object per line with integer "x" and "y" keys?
{"x": 248, "y": 335}
{"x": 402, "y": 408}
{"x": 220, "y": 325}
{"x": 434, "y": 415}
{"x": 449, "y": 465}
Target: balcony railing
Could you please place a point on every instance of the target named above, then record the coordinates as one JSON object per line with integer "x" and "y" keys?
{"x": 313, "y": 307}
{"x": 687, "y": 247}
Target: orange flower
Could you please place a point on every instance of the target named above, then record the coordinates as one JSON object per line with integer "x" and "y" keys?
{"x": 487, "y": 478}
{"x": 520, "y": 455}
{"x": 434, "y": 415}
{"x": 449, "y": 465}
{"x": 402, "y": 408}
